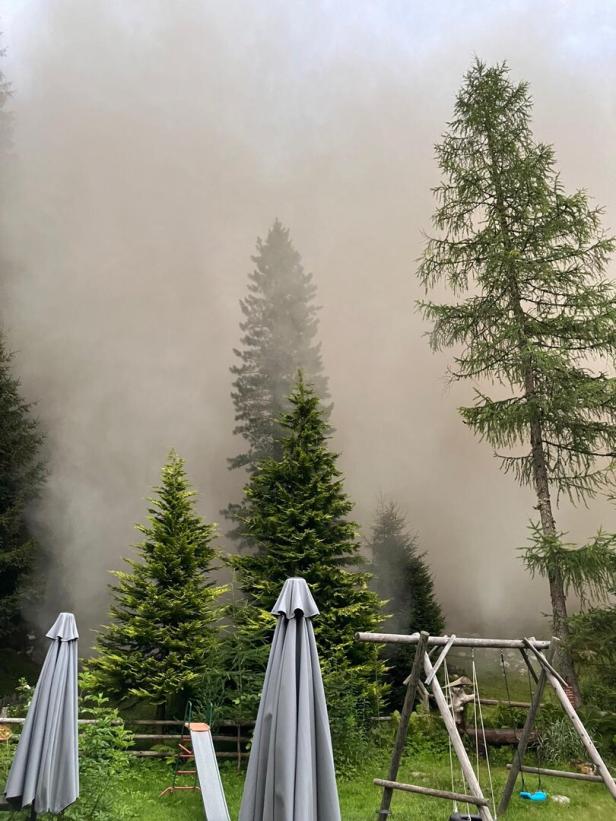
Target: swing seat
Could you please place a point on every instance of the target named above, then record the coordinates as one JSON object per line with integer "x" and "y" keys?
{"x": 458, "y": 816}
{"x": 538, "y": 795}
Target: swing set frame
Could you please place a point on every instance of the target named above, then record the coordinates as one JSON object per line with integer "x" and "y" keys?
{"x": 422, "y": 662}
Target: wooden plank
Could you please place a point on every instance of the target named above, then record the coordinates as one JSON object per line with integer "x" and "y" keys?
{"x": 440, "y": 660}
{"x": 413, "y": 638}
{"x": 545, "y": 663}
{"x": 559, "y": 773}
{"x": 530, "y": 667}
{"x": 403, "y": 726}
{"x": 161, "y": 754}
{"x": 525, "y": 735}
{"x": 585, "y": 738}
{"x": 454, "y": 735}
{"x": 434, "y": 793}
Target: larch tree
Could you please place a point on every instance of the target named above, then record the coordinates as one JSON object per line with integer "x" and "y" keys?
{"x": 533, "y": 311}
{"x": 296, "y": 517}
{"x": 22, "y": 473}
{"x": 163, "y": 636}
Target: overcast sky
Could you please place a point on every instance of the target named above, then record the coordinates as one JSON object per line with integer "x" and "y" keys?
{"x": 155, "y": 141}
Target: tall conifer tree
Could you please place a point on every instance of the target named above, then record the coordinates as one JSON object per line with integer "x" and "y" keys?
{"x": 21, "y": 476}
{"x": 533, "y": 309}
{"x": 296, "y": 515}
{"x": 163, "y": 638}
{"x": 278, "y": 338}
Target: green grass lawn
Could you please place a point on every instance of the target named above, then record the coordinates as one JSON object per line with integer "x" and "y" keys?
{"x": 137, "y": 796}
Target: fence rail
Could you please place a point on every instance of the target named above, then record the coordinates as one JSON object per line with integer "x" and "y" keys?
{"x": 145, "y": 741}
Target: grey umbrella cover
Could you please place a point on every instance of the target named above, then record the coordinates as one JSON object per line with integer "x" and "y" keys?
{"x": 291, "y": 774}
{"x": 45, "y": 770}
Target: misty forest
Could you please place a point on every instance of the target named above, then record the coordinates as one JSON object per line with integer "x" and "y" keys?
{"x": 307, "y": 410}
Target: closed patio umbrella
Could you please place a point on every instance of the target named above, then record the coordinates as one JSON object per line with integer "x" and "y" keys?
{"x": 291, "y": 774}
{"x": 45, "y": 770}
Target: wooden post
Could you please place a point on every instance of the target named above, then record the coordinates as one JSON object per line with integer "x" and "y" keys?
{"x": 403, "y": 726}
{"x": 518, "y": 758}
{"x": 454, "y": 735}
{"x": 586, "y": 740}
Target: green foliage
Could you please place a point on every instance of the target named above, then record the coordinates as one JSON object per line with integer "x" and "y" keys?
{"x": 103, "y": 757}
{"x": 279, "y": 330}
{"x": 559, "y": 742}
{"x": 427, "y": 735}
{"x": 21, "y": 475}
{"x": 589, "y": 571}
{"x": 505, "y": 716}
{"x": 296, "y": 516}
{"x": 527, "y": 262}
{"x": 401, "y": 576}
{"x": 163, "y": 638}
{"x": 349, "y": 712}
{"x": 593, "y": 644}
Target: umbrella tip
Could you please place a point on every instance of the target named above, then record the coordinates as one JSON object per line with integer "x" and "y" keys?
{"x": 295, "y": 595}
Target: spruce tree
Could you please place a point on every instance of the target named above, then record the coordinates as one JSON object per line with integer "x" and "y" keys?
{"x": 163, "y": 637}
{"x": 402, "y": 576}
{"x": 403, "y": 580}
{"x": 278, "y": 338}
{"x": 21, "y": 475}
{"x": 296, "y": 515}
{"x": 532, "y": 312}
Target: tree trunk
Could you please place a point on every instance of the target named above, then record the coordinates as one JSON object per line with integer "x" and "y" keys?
{"x": 557, "y": 590}
{"x": 541, "y": 482}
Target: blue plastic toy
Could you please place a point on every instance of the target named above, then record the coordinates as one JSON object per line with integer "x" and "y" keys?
{"x": 538, "y": 795}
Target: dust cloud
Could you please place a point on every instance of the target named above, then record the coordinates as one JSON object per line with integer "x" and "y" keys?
{"x": 154, "y": 142}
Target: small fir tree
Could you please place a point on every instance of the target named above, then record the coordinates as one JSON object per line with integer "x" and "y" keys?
{"x": 533, "y": 311}
{"x": 21, "y": 475}
{"x": 163, "y": 636}
{"x": 401, "y": 574}
{"x": 402, "y": 578}
{"x": 296, "y": 515}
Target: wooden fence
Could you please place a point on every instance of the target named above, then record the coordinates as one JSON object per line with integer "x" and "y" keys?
{"x": 231, "y": 737}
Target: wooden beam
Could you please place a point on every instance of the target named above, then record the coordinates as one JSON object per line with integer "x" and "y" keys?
{"x": 545, "y": 663}
{"x": 446, "y": 794}
{"x": 403, "y": 726}
{"x": 413, "y": 638}
{"x": 530, "y": 667}
{"x": 559, "y": 773}
{"x": 585, "y": 738}
{"x": 440, "y": 660}
{"x": 518, "y": 758}
{"x": 454, "y": 735}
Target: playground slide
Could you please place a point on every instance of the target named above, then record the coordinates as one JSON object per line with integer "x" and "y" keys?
{"x": 214, "y": 801}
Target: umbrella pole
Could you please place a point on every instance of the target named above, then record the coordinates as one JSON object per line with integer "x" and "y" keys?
{"x": 32, "y": 813}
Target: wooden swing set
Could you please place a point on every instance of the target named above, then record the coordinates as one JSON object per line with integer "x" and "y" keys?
{"x": 425, "y": 647}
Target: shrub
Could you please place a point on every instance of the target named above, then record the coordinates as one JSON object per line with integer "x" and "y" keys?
{"x": 103, "y": 759}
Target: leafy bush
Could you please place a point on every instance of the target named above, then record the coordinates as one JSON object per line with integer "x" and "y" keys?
{"x": 427, "y": 734}
{"x": 103, "y": 759}
{"x": 559, "y": 742}
{"x": 505, "y": 716}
